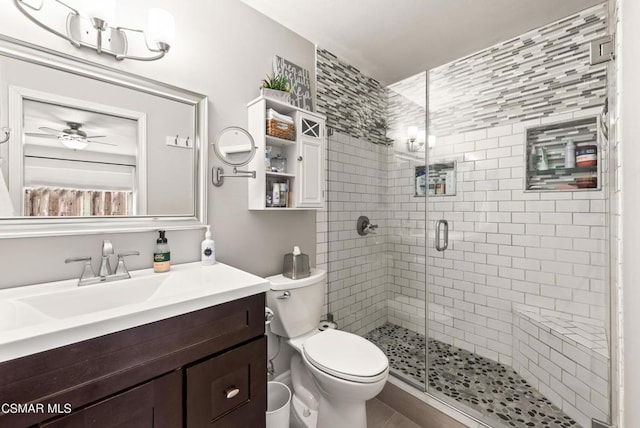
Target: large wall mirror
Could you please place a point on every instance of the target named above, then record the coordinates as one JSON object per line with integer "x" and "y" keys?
{"x": 93, "y": 149}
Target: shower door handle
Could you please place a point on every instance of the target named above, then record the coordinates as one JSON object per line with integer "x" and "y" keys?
{"x": 445, "y": 243}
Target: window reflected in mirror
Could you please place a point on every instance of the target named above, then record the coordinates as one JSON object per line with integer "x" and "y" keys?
{"x": 78, "y": 162}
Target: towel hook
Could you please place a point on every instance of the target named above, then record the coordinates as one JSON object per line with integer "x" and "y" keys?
{"x": 7, "y": 135}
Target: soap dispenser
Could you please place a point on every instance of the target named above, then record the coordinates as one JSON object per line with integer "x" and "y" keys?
{"x": 162, "y": 254}
{"x": 208, "y": 249}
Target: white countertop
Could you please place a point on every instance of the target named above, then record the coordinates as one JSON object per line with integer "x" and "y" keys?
{"x": 40, "y": 317}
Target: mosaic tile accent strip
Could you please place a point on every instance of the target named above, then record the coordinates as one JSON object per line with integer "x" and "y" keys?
{"x": 407, "y": 106}
{"x": 542, "y": 72}
{"x": 353, "y": 103}
{"x": 486, "y": 386}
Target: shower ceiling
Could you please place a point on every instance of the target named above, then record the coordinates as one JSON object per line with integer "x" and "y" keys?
{"x": 390, "y": 40}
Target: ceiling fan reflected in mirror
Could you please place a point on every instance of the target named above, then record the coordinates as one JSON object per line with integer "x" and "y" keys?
{"x": 72, "y": 137}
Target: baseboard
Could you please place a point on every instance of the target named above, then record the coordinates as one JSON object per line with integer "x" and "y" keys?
{"x": 420, "y": 412}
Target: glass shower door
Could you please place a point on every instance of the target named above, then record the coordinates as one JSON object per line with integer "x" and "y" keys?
{"x": 517, "y": 234}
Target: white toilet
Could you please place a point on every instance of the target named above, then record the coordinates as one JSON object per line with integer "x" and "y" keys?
{"x": 333, "y": 372}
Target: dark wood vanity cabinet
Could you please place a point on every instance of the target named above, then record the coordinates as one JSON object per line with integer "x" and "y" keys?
{"x": 155, "y": 404}
{"x": 200, "y": 369}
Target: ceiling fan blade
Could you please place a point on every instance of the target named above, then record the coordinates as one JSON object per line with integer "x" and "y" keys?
{"x": 96, "y": 136}
{"x": 101, "y": 142}
{"x": 35, "y": 134}
{"x": 47, "y": 129}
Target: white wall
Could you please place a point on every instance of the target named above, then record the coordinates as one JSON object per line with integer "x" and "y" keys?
{"x": 629, "y": 182}
{"x": 223, "y": 49}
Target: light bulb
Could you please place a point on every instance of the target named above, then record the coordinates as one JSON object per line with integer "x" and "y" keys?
{"x": 162, "y": 28}
{"x": 73, "y": 142}
{"x": 412, "y": 132}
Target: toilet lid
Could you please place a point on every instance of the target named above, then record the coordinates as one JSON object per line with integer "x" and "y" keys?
{"x": 346, "y": 355}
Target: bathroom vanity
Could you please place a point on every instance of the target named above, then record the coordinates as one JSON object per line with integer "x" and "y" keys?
{"x": 204, "y": 365}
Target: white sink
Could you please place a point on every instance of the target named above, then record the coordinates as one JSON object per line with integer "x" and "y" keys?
{"x": 44, "y": 316}
{"x": 94, "y": 298}
{"x": 15, "y": 314}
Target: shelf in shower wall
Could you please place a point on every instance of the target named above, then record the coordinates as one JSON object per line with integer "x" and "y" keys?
{"x": 553, "y": 139}
{"x": 560, "y": 171}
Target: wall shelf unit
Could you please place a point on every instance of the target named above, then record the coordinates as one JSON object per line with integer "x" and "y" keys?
{"x": 289, "y": 173}
{"x": 552, "y": 140}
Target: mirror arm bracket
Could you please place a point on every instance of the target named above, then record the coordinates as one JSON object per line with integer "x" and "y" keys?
{"x": 217, "y": 175}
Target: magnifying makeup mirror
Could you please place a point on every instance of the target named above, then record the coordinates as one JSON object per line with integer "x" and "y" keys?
{"x": 235, "y": 147}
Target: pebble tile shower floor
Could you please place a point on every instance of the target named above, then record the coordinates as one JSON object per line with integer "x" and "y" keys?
{"x": 486, "y": 386}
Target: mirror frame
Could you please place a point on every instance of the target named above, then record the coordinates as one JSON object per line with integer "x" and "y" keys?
{"x": 24, "y": 227}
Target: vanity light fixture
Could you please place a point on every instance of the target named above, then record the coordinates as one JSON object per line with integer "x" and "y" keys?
{"x": 95, "y": 30}
{"x": 415, "y": 139}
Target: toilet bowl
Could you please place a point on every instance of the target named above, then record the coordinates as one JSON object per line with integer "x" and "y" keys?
{"x": 333, "y": 372}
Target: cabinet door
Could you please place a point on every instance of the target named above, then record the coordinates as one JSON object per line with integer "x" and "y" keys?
{"x": 230, "y": 389}
{"x": 155, "y": 404}
{"x": 310, "y": 162}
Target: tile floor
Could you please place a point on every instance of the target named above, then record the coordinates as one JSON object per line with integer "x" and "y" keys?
{"x": 488, "y": 387}
{"x": 379, "y": 415}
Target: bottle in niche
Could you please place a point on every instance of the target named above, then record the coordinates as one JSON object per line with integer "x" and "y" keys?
{"x": 543, "y": 160}
{"x": 587, "y": 155}
{"x": 431, "y": 186}
{"x": 533, "y": 158}
{"x": 570, "y": 155}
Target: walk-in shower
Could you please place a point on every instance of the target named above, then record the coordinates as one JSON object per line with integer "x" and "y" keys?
{"x": 508, "y": 320}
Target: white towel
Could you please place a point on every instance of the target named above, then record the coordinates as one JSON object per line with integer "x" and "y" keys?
{"x": 6, "y": 206}
{"x": 272, "y": 114}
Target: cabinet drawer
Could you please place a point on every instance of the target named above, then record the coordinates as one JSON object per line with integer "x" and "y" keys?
{"x": 229, "y": 390}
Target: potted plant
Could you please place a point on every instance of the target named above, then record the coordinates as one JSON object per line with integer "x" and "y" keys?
{"x": 276, "y": 87}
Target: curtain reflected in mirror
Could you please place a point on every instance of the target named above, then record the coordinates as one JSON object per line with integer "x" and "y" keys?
{"x": 50, "y": 202}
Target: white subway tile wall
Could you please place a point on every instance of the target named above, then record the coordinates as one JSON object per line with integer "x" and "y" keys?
{"x": 546, "y": 250}
{"x": 357, "y": 265}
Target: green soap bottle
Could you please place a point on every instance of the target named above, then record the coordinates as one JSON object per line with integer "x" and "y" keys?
{"x": 162, "y": 255}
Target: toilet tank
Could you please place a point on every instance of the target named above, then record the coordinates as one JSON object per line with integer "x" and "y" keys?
{"x": 300, "y": 312}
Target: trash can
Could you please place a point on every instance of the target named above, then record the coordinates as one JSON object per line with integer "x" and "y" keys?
{"x": 278, "y": 405}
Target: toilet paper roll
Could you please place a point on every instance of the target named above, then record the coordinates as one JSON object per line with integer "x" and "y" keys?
{"x": 326, "y": 324}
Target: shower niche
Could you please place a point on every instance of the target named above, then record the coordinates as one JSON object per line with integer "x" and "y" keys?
{"x": 438, "y": 180}
{"x": 563, "y": 156}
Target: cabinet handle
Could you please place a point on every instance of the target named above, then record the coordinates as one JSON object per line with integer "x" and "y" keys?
{"x": 231, "y": 392}
{"x": 300, "y": 158}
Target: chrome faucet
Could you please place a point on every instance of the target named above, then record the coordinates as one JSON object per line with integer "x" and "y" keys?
{"x": 105, "y": 273}
{"x": 105, "y": 265}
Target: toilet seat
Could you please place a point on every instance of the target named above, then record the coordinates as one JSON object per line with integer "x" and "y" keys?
{"x": 346, "y": 356}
